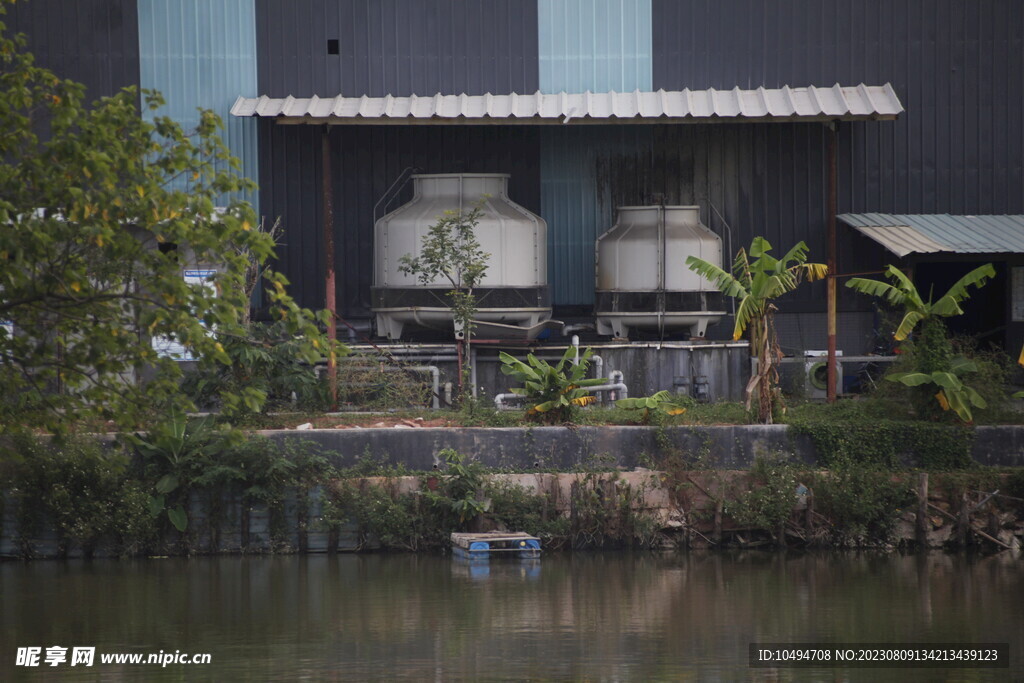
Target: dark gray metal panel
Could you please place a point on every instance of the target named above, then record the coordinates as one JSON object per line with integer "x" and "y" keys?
{"x": 365, "y": 163}
{"x": 761, "y": 179}
{"x": 401, "y": 47}
{"x": 94, "y": 42}
{"x": 956, "y": 66}
{"x": 752, "y": 179}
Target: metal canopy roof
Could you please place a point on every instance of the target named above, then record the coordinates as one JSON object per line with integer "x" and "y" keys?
{"x": 904, "y": 234}
{"x": 857, "y": 103}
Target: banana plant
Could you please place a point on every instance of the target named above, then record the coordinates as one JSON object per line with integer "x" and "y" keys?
{"x": 902, "y": 292}
{"x": 176, "y": 450}
{"x": 553, "y": 392}
{"x": 934, "y": 361}
{"x": 952, "y": 394}
{"x": 662, "y": 402}
{"x": 756, "y": 280}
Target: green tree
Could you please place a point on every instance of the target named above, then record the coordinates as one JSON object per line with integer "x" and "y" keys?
{"x": 94, "y": 241}
{"x": 451, "y": 252}
{"x": 937, "y": 373}
{"x": 757, "y": 283}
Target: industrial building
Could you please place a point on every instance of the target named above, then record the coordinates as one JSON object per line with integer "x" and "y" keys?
{"x": 591, "y": 105}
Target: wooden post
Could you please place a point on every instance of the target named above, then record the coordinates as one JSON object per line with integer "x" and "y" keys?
{"x": 330, "y": 303}
{"x": 809, "y": 516}
{"x": 244, "y": 523}
{"x": 717, "y": 533}
{"x": 832, "y": 262}
{"x": 332, "y": 540}
{"x": 302, "y": 520}
{"x": 963, "y": 521}
{"x": 923, "y": 521}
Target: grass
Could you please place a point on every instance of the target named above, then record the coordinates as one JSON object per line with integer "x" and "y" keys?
{"x": 863, "y": 410}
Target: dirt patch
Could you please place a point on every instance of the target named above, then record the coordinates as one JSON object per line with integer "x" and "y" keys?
{"x": 379, "y": 422}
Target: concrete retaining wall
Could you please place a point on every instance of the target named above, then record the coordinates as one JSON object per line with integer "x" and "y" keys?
{"x": 566, "y": 448}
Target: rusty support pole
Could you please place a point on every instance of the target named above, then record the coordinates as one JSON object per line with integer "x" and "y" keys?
{"x": 832, "y": 261}
{"x": 329, "y": 287}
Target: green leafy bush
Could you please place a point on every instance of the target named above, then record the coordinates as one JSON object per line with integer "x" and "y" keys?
{"x": 937, "y": 373}
{"x": 179, "y": 453}
{"x": 888, "y": 443}
{"x": 517, "y": 509}
{"x": 863, "y": 500}
{"x": 769, "y": 503}
{"x": 81, "y": 488}
{"x": 267, "y": 370}
{"x": 552, "y": 392}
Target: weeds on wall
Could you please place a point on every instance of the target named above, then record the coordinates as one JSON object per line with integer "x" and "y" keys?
{"x": 861, "y": 501}
{"x": 768, "y": 504}
{"x": 607, "y": 512}
{"x": 97, "y": 494}
{"x": 889, "y": 443}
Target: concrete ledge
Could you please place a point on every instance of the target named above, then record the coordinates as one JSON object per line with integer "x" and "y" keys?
{"x": 562, "y": 448}
{"x": 999, "y": 445}
{"x": 565, "y": 448}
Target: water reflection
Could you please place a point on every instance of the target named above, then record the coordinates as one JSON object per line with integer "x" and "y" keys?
{"x": 581, "y": 616}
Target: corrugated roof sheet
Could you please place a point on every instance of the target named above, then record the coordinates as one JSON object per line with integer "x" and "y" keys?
{"x": 859, "y": 102}
{"x": 905, "y": 234}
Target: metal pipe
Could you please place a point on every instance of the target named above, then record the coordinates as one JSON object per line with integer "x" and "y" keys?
{"x": 730, "y": 256}
{"x": 329, "y": 284}
{"x": 618, "y": 378}
{"x": 832, "y": 266}
{"x": 500, "y": 399}
{"x": 472, "y": 369}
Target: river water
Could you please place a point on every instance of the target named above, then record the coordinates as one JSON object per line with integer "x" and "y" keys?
{"x": 616, "y": 617}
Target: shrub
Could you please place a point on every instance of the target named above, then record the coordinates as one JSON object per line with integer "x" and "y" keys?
{"x": 862, "y": 500}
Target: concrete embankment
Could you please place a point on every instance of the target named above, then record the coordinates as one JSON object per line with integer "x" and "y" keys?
{"x": 565, "y": 448}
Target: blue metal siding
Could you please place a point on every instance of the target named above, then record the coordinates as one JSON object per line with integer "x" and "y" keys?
{"x": 202, "y": 54}
{"x": 596, "y": 45}
{"x": 577, "y": 201}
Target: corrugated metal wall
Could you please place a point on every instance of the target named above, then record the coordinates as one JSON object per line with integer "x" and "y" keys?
{"x": 748, "y": 179}
{"x": 95, "y": 42}
{"x": 578, "y": 204}
{"x": 401, "y": 47}
{"x": 958, "y": 148}
{"x": 365, "y": 162}
{"x": 595, "y": 45}
{"x": 202, "y": 53}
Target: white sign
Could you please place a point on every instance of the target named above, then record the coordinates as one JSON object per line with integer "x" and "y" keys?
{"x": 167, "y": 347}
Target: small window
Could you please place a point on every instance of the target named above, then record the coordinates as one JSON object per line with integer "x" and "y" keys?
{"x": 332, "y": 46}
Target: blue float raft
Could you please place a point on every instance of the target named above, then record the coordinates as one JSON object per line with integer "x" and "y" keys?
{"x": 517, "y": 545}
